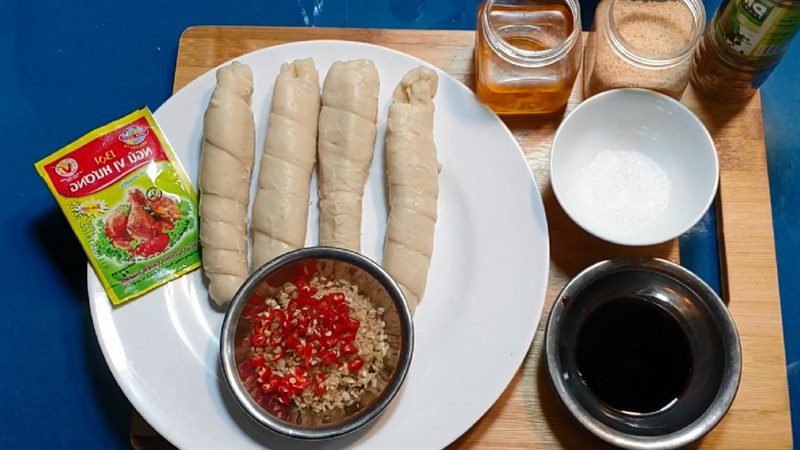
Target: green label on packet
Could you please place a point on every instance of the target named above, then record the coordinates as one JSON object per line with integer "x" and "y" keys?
{"x": 758, "y": 30}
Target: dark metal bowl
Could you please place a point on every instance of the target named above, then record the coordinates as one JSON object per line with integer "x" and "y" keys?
{"x": 375, "y": 284}
{"x": 702, "y": 315}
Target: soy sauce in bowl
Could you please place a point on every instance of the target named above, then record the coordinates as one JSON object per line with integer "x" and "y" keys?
{"x": 642, "y": 353}
{"x": 634, "y": 356}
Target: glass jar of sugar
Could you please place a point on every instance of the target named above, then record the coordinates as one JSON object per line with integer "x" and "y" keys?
{"x": 642, "y": 43}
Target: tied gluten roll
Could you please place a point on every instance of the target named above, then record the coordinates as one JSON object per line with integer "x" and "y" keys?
{"x": 226, "y": 162}
{"x": 280, "y": 207}
{"x": 412, "y": 176}
{"x": 347, "y": 133}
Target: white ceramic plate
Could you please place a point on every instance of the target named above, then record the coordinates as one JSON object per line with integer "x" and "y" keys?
{"x": 483, "y": 302}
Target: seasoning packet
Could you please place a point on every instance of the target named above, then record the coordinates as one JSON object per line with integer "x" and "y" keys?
{"x": 130, "y": 203}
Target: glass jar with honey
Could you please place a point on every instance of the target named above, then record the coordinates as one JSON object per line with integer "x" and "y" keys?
{"x": 527, "y": 54}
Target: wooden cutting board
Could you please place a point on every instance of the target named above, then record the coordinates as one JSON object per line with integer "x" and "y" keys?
{"x": 528, "y": 414}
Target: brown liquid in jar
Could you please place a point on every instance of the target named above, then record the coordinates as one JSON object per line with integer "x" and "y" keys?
{"x": 533, "y": 26}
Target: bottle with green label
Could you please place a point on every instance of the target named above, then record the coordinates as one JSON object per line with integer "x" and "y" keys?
{"x": 743, "y": 43}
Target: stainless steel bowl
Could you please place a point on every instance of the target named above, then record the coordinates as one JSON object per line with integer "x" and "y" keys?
{"x": 375, "y": 284}
{"x": 713, "y": 342}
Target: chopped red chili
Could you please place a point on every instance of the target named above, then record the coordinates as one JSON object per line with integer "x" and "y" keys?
{"x": 355, "y": 365}
{"x": 316, "y": 330}
{"x": 257, "y": 361}
{"x": 258, "y": 340}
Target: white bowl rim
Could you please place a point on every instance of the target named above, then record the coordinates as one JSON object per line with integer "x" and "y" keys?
{"x": 617, "y": 239}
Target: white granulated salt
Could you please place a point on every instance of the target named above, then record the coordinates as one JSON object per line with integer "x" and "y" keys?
{"x": 624, "y": 188}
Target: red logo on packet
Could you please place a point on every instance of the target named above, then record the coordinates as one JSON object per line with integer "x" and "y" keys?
{"x": 105, "y": 160}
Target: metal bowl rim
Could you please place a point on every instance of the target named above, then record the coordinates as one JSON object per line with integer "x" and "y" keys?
{"x": 733, "y": 362}
{"x": 228, "y": 363}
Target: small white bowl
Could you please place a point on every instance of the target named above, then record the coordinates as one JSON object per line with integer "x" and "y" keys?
{"x": 654, "y": 125}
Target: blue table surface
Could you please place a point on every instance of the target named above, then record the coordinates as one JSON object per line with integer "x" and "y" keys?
{"x": 67, "y": 67}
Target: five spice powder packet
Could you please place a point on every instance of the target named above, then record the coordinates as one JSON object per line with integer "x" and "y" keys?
{"x": 129, "y": 202}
